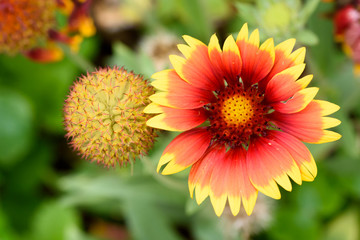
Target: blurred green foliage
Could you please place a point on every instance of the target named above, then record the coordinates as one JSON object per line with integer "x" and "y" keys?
{"x": 48, "y": 192}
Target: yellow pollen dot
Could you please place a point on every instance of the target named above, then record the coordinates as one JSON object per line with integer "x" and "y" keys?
{"x": 237, "y": 110}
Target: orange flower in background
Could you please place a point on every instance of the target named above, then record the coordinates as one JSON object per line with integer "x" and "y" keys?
{"x": 29, "y": 27}
{"x": 254, "y": 114}
{"x": 23, "y": 23}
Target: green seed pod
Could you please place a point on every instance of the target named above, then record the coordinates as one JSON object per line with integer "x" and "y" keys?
{"x": 104, "y": 116}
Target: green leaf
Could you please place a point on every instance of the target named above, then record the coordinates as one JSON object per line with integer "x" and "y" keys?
{"x": 216, "y": 9}
{"x": 165, "y": 8}
{"x": 345, "y": 226}
{"x": 45, "y": 84}
{"x": 16, "y": 126}
{"x": 195, "y": 19}
{"x": 323, "y": 197}
{"x": 26, "y": 181}
{"x": 287, "y": 222}
{"x": 192, "y": 207}
{"x": 307, "y": 10}
{"x": 139, "y": 63}
{"x": 247, "y": 12}
{"x": 85, "y": 189}
{"x": 30, "y": 174}
{"x": 205, "y": 224}
{"x": 6, "y": 233}
{"x": 54, "y": 221}
{"x": 147, "y": 222}
{"x": 348, "y": 140}
{"x": 346, "y": 169}
{"x": 307, "y": 37}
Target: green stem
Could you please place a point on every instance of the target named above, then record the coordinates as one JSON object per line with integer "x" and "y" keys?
{"x": 166, "y": 181}
{"x": 81, "y": 62}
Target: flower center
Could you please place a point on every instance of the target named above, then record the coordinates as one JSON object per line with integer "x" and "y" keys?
{"x": 237, "y": 115}
{"x": 237, "y": 110}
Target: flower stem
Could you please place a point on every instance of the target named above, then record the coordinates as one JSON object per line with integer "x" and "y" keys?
{"x": 81, "y": 62}
{"x": 166, "y": 181}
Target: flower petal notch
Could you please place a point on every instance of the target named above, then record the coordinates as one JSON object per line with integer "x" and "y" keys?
{"x": 254, "y": 115}
{"x": 105, "y": 119}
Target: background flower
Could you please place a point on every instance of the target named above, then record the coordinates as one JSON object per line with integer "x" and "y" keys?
{"x": 34, "y": 29}
{"x": 347, "y": 30}
{"x": 19, "y": 32}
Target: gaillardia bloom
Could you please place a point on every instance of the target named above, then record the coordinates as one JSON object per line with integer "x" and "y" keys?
{"x": 104, "y": 116}
{"x": 254, "y": 114}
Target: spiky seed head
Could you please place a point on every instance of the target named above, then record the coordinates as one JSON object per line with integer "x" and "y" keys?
{"x": 104, "y": 116}
{"x": 23, "y": 23}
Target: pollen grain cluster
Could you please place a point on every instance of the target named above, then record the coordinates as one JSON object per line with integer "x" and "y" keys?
{"x": 24, "y": 22}
{"x": 104, "y": 116}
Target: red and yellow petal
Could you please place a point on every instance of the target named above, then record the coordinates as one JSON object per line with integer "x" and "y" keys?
{"x": 153, "y": 108}
{"x": 298, "y": 102}
{"x": 45, "y": 55}
{"x": 299, "y": 152}
{"x": 257, "y": 61}
{"x": 218, "y": 184}
{"x": 308, "y": 125}
{"x": 315, "y": 136}
{"x": 232, "y": 62}
{"x": 201, "y": 171}
{"x": 269, "y": 163}
{"x": 238, "y": 182}
{"x": 284, "y": 59}
{"x": 223, "y": 175}
{"x": 304, "y": 81}
{"x": 215, "y": 55}
{"x": 178, "y": 93}
{"x": 186, "y": 149}
{"x": 163, "y": 79}
{"x": 323, "y": 107}
{"x": 172, "y": 119}
{"x": 196, "y": 68}
{"x": 228, "y": 62}
{"x": 298, "y": 56}
{"x": 283, "y": 85}
{"x": 80, "y": 21}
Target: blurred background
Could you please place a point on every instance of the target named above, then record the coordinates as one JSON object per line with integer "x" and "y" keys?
{"x": 47, "y": 192}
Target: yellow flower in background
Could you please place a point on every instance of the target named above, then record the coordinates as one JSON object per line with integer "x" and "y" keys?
{"x": 245, "y": 113}
{"x": 104, "y": 116}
